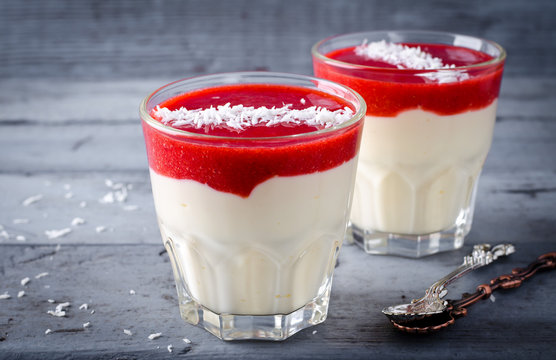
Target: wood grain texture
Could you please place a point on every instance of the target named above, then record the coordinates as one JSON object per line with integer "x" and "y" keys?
{"x": 355, "y": 327}
{"x": 72, "y": 74}
{"x": 521, "y": 142}
{"x": 145, "y": 39}
{"x": 40, "y": 101}
{"x": 130, "y": 222}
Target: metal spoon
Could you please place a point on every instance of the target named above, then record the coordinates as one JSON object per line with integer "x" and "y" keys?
{"x": 432, "y": 304}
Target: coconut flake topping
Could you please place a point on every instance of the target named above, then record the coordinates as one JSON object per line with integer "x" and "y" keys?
{"x": 402, "y": 56}
{"x": 405, "y": 57}
{"x": 239, "y": 117}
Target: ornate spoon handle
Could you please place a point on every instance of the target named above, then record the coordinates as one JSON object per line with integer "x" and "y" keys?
{"x": 515, "y": 279}
{"x": 458, "y": 308}
{"x": 480, "y": 256}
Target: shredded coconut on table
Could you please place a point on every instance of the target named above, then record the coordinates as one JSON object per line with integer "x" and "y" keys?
{"x": 128, "y": 332}
{"x": 41, "y": 275}
{"x": 25, "y": 281}
{"x": 63, "y": 305}
{"x": 77, "y": 221}
{"x": 107, "y": 199}
{"x": 56, "y": 313}
{"x": 112, "y": 197}
{"x": 170, "y": 348}
{"x": 84, "y": 306}
{"x": 21, "y": 294}
{"x": 119, "y": 192}
{"x": 32, "y": 199}
{"x": 60, "y": 310}
{"x": 155, "y": 336}
{"x": 4, "y": 233}
{"x": 239, "y": 117}
{"x": 5, "y": 296}
{"x": 54, "y": 234}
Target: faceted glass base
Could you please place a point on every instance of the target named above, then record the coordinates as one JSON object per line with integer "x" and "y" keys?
{"x": 414, "y": 246}
{"x": 228, "y": 326}
{"x": 254, "y": 327}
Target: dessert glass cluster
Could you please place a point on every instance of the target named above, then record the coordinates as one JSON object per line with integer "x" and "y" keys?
{"x": 253, "y": 173}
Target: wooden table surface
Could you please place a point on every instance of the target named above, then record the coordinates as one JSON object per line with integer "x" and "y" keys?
{"x": 72, "y": 74}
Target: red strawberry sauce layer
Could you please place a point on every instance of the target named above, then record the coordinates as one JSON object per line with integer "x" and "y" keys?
{"x": 236, "y": 163}
{"x": 389, "y": 91}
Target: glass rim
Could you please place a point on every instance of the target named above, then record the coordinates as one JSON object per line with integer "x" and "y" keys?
{"x": 360, "y": 108}
{"x": 495, "y": 60}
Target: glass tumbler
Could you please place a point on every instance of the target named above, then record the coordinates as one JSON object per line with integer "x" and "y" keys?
{"x": 253, "y": 263}
{"x": 426, "y": 136}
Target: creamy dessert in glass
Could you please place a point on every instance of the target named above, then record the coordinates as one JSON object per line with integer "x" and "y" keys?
{"x": 431, "y": 107}
{"x": 252, "y": 176}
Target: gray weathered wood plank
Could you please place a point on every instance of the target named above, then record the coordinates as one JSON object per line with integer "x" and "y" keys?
{"x": 518, "y": 146}
{"x": 132, "y": 220}
{"x": 511, "y": 206}
{"x": 102, "y": 276}
{"x": 72, "y": 74}
{"x": 59, "y": 101}
{"x": 137, "y": 39}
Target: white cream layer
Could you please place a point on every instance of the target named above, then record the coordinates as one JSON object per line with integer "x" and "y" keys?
{"x": 417, "y": 171}
{"x": 270, "y": 253}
